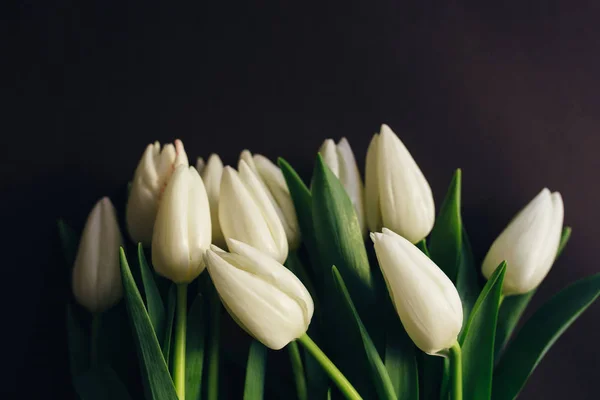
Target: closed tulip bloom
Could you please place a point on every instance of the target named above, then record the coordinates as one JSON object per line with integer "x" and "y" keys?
{"x": 96, "y": 273}
{"x": 278, "y": 193}
{"x": 182, "y": 232}
{"x": 528, "y": 244}
{"x": 246, "y": 213}
{"x": 266, "y": 299}
{"x": 340, "y": 159}
{"x": 398, "y": 196}
{"x": 424, "y": 297}
{"x": 200, "y": 164}
{"x": 150, "y": 179}
{"x": 211, "y": 176}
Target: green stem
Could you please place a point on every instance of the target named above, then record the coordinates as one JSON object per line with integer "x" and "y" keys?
{"x": 298, "y": 370}
{"x": 213, "y": 349}
{"x": 180, "y": 333}
{"x": 335, "y": 374}
{"x": 95, "y": 338}
{"x": 456, "y": 372}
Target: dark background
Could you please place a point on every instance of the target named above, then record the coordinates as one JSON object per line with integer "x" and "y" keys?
{"x": 510, "y": 94}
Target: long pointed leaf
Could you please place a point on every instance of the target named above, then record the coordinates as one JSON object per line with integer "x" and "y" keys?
{"x": 157, "y": 381}
{"x": 154, "y": 303}
{"x": 100, "y": 384}
{"x": 338, "y": 234}
{"x": 538, "y": 335}
{"x": 194, "y": 349}
{"x": 303, "y": 205}
{"x": 445, "y": 240}
{"x": 513, "y": 307}
{"x": 166, "y": 343}
{"x": 477, "y": 343}
{"x": 401, "y": 363}
{"x": 254, "y": 385}
{"x": 383, "y": 384}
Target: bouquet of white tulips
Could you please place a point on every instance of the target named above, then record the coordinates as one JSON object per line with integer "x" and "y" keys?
{"x": 368, "y": 292}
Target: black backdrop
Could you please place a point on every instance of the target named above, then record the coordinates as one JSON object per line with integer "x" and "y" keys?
{"x": 510, "y": 94}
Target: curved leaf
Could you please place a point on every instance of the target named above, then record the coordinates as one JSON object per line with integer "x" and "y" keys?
{"x": 445, "y": 240}
{"x": 401, "y": 363}
{"x": 166, "y": 343}
{"x": 157, "y": 380}
{"x": 477, "y": 341}
{"x": 154, "y": 303}
{"x": 539, "y": 333}
{"x": 256, "y": 369}
{"x": 338, "y": 234}
{"x": 383, "y": 384}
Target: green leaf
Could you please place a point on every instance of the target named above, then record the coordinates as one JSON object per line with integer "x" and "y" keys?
{"x": 539, "y": 333}
{"x": 513, "y": 307}
{"x": 450, "y": 248}
{"x": 401, "y": 363}
{"x": 255, "y": 372}
{"x": 69, "y": 241}
{"x": 477, "y": 342}
{"x": 154, "y": 303}
{"x": 171, "y": 302}
{"x": 467, "y": 283}
{"x": 445, "y": 240}
{"x": 194, "y": 349}
{"x": 303, "y": 205}
{"x": 79, "y": 345}
{"x": 338, "y": 234}
{"x": 100, "y": 384}
{"x": 383, "y": 383}
{"x": 157, "y": 381}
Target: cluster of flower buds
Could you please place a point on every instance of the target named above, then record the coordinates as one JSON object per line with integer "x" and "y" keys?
{"x": 181, "y": 210}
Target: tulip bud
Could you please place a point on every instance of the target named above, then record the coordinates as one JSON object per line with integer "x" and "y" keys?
{"x": 211, "y": 175}
{"x": 340, "y": 159}
{"x": 246, "y": 213}
{"x": 150, "y": 179}
{"x": 528, "y": 244}
{"x": 276, "y": 188}
{"x": 182, "y": 232}
{"x": 398, "y": 196}
{"x": 200, "y": 164}
{"x": 266, "y": 299}
{"x": 96, "y": 274}
{"x": 424, "y": 297}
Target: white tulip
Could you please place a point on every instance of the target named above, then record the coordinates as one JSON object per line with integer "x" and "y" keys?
{"x": 424, "y": 297}
{"x": 528, "y": 244}
{"x": 200, "y": 165}
{"x": 247, "y": 214}
{"x": 211, "y": 175}
{"x": 398, "y": 196}
{"x": 276, "y": 188}
{"x": 150, "y": 179}
{"x": 340, "y": 159}
{"x": 182, "y": 232}
{"x": 265, "y": 298}
{"x": 96, "y": 273}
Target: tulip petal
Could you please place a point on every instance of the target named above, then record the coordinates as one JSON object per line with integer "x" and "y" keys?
{"x": 406, "y": 200}
{"x": 268, "y": 313}
{"x": 211, "y": 176}
{"x": 350, "y": 177}
{"x": 426, "y": 300}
